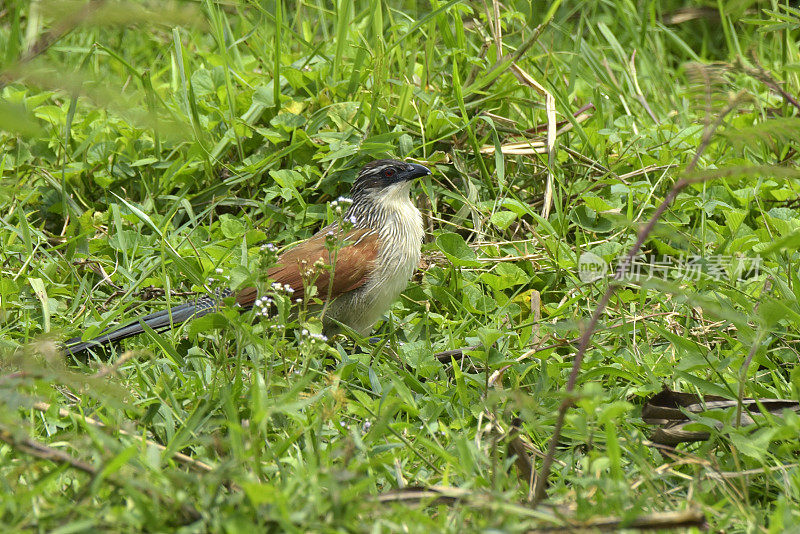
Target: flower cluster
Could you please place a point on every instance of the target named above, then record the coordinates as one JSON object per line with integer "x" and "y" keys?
{"x": 313, "y": 338}
{"x": 285, "y": 288}
{"x": 263, "y": 304}
{"x": 267, "y": 256}
{"x": 365, "y": 427}
{"x": 330, "y": 239}
{"x": 309, "y": 273}
{"x": 340, "y": 204}
{"x": 219, "y": 270}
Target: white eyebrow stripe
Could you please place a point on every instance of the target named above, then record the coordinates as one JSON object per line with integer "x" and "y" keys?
{"x": 378, "y": 168}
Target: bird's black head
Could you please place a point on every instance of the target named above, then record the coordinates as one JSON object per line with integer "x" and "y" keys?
{"x": 380, "y": 174}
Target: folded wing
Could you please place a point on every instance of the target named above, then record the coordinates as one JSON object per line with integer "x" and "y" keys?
{"x": 350, "y": 264}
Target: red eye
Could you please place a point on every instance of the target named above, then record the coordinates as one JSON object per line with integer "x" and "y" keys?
{"x": 388, "y": 173}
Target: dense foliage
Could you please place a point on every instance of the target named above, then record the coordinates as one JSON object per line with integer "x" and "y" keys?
{"x": 150, "y": 151}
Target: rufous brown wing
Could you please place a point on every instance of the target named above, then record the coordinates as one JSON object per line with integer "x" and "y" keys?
{"x": 353, "y": 262}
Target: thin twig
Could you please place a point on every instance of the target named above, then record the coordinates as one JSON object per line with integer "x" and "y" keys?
{"x": 746, "y": 364}
{"x": 761, "y": 74}
{"x": 450, "y": 496}
{"x": 43, "y": 452}
{"x": 196, "y": 465}
{"x": 40, "y": 450}
{"x": 516, "y": 449}
{"x": 653, "y": 521}
{"x": 743, "y": 375}
{"x": 622, "y": 268}
{"x": 507, "y": 62}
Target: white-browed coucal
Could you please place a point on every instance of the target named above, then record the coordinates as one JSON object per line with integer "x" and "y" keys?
{"x": 373, "y": 264}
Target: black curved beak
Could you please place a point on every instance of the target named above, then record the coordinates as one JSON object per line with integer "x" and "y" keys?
{"x": 414, "y": 170}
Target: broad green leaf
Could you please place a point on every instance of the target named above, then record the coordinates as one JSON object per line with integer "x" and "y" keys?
{"x": 457, "y": 251}
{"x": 231, "y": 227}
{"x": 503, "y": 219}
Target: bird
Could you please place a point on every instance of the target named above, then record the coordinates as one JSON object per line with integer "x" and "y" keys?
{"x": 380, "y": 239}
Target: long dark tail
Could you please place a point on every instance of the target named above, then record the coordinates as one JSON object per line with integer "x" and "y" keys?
{"x": 159, "y": 321}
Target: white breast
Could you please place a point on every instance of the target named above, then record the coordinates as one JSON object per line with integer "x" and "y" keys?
{"x": 401, "y": 238}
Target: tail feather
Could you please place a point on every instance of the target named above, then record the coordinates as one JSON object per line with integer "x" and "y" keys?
{"x": 158, "y": 321}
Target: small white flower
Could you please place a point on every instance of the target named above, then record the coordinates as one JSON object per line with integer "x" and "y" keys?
{"x": 313, "y": 338}
{"x": 344, "y": 200}
{"x": 352, "y": 220}
{"x": 219, "y": 270}
{"x": 288, "y": 288}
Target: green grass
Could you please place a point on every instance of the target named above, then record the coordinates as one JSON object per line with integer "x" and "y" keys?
{"x": 149, "y": 146}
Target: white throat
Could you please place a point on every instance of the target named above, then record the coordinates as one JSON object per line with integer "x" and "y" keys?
{"x": 399, "y": 226}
